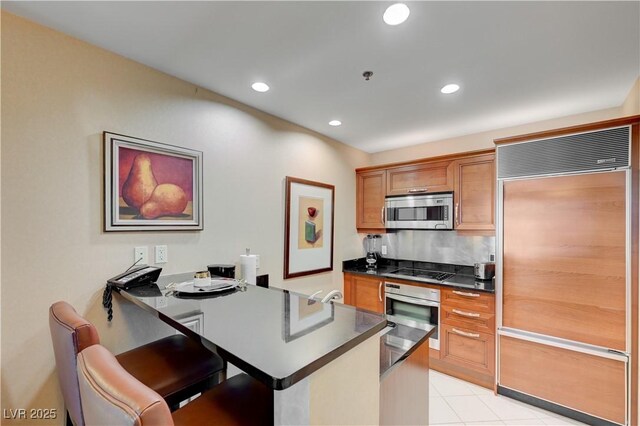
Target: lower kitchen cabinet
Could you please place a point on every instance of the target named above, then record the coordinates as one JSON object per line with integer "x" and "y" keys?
{"x": 468, "y": 349}
{"x": 364, "y": 292}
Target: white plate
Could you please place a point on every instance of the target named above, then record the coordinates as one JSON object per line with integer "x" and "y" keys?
{"x": 217, "y": 284}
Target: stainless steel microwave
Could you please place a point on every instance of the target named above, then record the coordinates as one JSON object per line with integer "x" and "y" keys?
{"x": 428, "y": 211}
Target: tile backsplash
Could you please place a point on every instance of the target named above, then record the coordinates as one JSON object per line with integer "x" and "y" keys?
{"x": 438, "y": 246}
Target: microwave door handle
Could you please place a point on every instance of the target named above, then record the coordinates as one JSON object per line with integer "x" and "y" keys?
{"x": 411, "y": 300}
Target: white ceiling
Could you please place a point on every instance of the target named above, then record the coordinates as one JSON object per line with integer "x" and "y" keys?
{"x": 517, "y": 62}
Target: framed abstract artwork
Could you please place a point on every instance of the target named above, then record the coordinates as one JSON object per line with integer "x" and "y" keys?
{"x": 150, "y": 186}
{"x": 308, "y": 241}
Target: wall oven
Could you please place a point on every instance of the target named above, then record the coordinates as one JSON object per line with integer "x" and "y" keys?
{"x": 415, "y": 307}
{"x": 429, "y": 211}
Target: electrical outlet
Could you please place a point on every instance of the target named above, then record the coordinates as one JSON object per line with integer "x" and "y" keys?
{"x": 162, "y": 254}
{"x": 141, "y": 255}
{"x": 384, "y": 250}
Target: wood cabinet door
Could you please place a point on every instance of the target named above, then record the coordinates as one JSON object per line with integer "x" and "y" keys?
{"x": 564, "y": 257}
{"x": 420, "y": 179}
{"x": 474, "y": 193}
{"x": 366, "y": 293}
{"x": 576, "y": 380}
{"x": 370, "y": 193}
{"x": 468, "y": 348}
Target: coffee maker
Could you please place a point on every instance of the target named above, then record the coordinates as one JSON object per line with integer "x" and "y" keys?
{"x": 372, "y": 245}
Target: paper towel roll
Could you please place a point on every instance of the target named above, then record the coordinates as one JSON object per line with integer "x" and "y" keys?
{"x": 248, "y": 263}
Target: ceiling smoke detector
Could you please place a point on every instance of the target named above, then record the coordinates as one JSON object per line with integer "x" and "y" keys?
{"x": 367, "y": 75}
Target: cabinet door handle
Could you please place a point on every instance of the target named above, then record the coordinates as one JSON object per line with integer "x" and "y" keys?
{"x": 465, "y": 294}
{"x": 414, "y": 190}
{"x": 465, "y": 334}
{"x": 457, "y": 218}
{"x": 382, "y": 215}
{"x": 466, "y": 314}
{"x": 380, "y": 291}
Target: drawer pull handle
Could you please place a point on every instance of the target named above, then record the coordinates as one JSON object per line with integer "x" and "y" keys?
{"x": 463, "y": 293}
{"x": 466, "y": 314}
{"x": 411, "y": 191}
{"x": 462, "y": 333}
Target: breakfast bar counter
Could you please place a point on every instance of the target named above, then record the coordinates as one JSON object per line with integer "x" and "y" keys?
{"x": 312, "y": 355}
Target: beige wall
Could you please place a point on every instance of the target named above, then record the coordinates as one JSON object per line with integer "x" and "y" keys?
{"x": 631, "y": 105}
{"x": 58, "y": 95}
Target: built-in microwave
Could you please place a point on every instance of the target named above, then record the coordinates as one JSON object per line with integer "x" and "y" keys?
{"x": 428, "y": 211}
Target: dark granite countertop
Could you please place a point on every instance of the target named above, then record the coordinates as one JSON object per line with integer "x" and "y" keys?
{"x": 463, "y": 278}
{"x": 275, "y": 336}
{"x": 397, "y": 343}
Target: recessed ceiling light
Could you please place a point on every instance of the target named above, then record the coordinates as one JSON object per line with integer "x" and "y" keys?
{"x": 335, "y": 123}
{"x": 396, "y": 14}
{"x": 260, "y": 87}
{"x": 450, "y": 88}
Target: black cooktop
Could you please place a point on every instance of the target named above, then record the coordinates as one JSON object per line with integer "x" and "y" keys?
{"x": 418, "y": 274}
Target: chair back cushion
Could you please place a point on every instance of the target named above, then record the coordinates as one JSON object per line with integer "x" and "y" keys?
{"x": 111, "y": 396}
{"x": 70, "y": 334}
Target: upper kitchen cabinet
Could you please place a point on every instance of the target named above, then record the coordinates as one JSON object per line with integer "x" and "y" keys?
{"x": 370, "y": 192}
{"x": 474, "y": 193}
{"x": 420, "y": 178}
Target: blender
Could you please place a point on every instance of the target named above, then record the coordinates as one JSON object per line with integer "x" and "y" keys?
{"x": 372, "y": 246}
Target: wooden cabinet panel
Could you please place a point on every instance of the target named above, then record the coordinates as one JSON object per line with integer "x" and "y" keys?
{"x": 421, "y": 178}
{"x": 364, "y": 292}
{"x": 370, "y": 193}
{"x": 564, "y": 270}
{"x": 468, "y": 318}
{"x": 474, "y": 193}
{"x": 468, "y": 348}
{"x": 468, "y": 299}
{"x": 580, "y": 381}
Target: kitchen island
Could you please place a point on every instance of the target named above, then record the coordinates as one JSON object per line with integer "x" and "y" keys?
{"x": 322, "y": 361}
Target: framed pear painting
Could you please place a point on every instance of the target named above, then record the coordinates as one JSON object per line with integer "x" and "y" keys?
{"x": 150, "y": 186}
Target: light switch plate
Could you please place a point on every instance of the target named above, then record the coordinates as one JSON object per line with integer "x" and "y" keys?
{"x": 141, "y": 255}
{"x": 162, "y": 254}
{"x": 384, "y": 250}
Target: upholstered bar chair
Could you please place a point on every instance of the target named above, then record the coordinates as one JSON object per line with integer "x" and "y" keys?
{"x": 111, "y": 396}
{"x": 175, "y": 367}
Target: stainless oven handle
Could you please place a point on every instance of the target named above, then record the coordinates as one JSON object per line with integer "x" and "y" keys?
{"x": 463, "y": 293}
{"x": 413, "y": 300}
{"x": 414, "y": 190}
{"x": 466, "y": 314}
{"x": 380, "y": 291}
{"x": 462, "y": 333}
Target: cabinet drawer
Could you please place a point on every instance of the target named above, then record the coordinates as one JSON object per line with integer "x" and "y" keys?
{"x": 469, "y": 299}
{"x": 468, "y": 348}
{"x": 421, "y": 178}
{"x": 468, "y": 318}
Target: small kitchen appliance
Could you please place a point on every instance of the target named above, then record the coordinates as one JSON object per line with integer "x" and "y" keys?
{"x": 484, "y": 271}
{"x": 372, "y": 246}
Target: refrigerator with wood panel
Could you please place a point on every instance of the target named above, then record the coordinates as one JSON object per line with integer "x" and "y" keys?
{"x": 567, "y": 270}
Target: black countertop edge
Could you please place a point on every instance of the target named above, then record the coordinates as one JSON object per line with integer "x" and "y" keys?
{"x": 464, "y": 274}
{"x": 272, "y": 382}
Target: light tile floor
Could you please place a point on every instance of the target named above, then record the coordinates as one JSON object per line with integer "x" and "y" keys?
{"x": 454, "y": 402}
